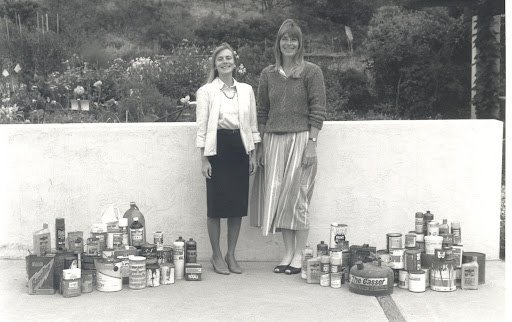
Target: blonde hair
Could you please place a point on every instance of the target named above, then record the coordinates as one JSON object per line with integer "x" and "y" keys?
{"x": 213, "y": 73}
{"x": 291, "y": 28}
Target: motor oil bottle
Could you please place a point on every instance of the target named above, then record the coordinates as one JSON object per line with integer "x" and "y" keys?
{"x": 444, "y": 228}
{"x": 322, "y": 249}
{"x": 131, "y": 214}
{"x": 178, "y": 251}
{"x": 307, "y": 253}
{"x": 136, "y": 233}
{"x": 469, "y": 275}
{"x": 191, "y": 251}
{"x": 42, "y": 241}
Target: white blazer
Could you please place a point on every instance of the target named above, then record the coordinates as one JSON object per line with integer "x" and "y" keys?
{"x": 207, "y": 116}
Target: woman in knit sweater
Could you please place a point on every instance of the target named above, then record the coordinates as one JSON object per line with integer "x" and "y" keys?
{"x": 291, "y": 112}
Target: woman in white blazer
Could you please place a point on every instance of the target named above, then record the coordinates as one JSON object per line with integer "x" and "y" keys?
{"x": 227, "y": 133}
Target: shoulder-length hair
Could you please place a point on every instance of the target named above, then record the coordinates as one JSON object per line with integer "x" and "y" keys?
{"x": 213, "y": 73}
{"x": 291, "y": 28}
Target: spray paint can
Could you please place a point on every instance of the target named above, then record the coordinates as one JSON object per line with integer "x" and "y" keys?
{"x": 191, "y": 251}
{"x": 457, "y": 234}
{"x": 158, "y": 239}
{"x": 418, "y": 223}
{"x": 179, "y": 258}
{"x": 307, "y": 253}
{"x": 60, "y": 234}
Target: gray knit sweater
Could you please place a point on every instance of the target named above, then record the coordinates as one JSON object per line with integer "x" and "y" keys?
{"x": 292, "y": 104}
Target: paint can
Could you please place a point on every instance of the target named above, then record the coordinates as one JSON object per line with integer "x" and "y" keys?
{"x": 166, "y": 273}
{"x": 418, "y": 223}
{"x": 88, "y": 261}
{"x": 432, "y": 243}
{"x": 158, "y": 239}
{"x": 417, "y": 282}
{"x": 335, "y": 279}
{"x": 403, "y": 279}
{"x": 325, "y": 264}
{"x": 137, "y": 278}
{"x": 433, "y": 228}
{"x": 88, "y": 280}
{"x": 427, "y": 276}
{"x": 152, "y": 275}
{"x": 71, "y": 287}
{"x": 93, "y": 246}
{"x": 394, "y": 241}
{"x": 325, "y": 279}
{"x": 165, "y": 255}
{"x": 397, "y": 258}
{"x": 108, "y": 275}
{"x": 412, "y": 260}
{"x": 480, "y": 258}
{"x": 76, "y": 241}
{"x": 102, "y": 237}
{"x": 442, "y": 276}
{"x": 107, "y": 254}
{"x": 114, "y": 240}
{"x": 193, "y": 271}
{"x": 148, "y": 250}
{"x": 410, "y": 240}
{"x": 338, "y": 234}
{"x": 420, "y": 246}
{"x": 60, "y": 234}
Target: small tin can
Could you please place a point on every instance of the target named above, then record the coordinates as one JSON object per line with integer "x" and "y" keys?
{"x": 93, "y": 246}
{"x": 338, "y": 234}
{"x": 102, "y": 237}
{"x": 394, "y": 241}
{"x": 412, "y": 260}
{"x": 166, "y": 273}
{"x": 397, "y": 258}
{"x": 417, "y": 282}
{"x": 88, "y": 280}
{"x": 420, "y": 246}
{"x": 325, "y": 279}
{"x": 410, "y": 240}
{"x": 418, "y": 223}
{"x": 76, "y": 241}
{"x": 433, "y": 228}
{"x": 152, "y": 275}
{"x": 345, "y": 259}
{"x": 335, "y": 280}
{"x": 158, "y": 239}
{"x": 403, "y": 279}
{"x": 165, "y": 255}
{"x": 137, "y": 277}
{"x": 447, "y": 239}
{"x": 149, "y": 250}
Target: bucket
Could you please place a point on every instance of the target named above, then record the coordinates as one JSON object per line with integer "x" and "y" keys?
{"x": 137, "y": 278}
{"x": 442, "y": 276}
{"x": 432, "y": 243}
{"x": 108, "y": 275}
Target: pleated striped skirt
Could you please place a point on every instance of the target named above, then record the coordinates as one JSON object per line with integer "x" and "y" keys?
{"x": 282, "y": 190}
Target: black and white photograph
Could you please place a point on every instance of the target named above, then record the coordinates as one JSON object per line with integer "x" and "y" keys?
{"x": 253, "y": 160}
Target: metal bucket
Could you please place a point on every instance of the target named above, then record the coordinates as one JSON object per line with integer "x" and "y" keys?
{"x": 108, "y": 275}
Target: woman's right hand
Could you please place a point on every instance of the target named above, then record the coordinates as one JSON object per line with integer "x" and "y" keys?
{"x": 260, "y": 156}
{"x": 206, "y": 168}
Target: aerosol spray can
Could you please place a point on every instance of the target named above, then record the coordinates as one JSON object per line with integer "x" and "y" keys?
{"x": 191, "y": 251}
{"x": 179, "y": 258}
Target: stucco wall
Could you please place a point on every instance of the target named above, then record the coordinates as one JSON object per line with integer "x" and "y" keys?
{"x": 373, "y": 176}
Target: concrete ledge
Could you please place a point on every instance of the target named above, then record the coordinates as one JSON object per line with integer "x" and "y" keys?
{"x": 373, "y": 176}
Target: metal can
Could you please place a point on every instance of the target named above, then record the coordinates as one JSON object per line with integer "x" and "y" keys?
{"x": 325, "y": 279}
{"x": 76, "y": 241}
{"x": 427, "y": 276}
{"x": 165, "y": 255}
{"x": 335, "y": 280}
{"x": 403, "y": 279}
{"x": 417, "y": 281}
{"x": 152, "y": 275}
{"x": 137, "y": 278}
{"x": 397, "y": 258}
{"x": 418, "y": 223}
{"x": 338, "y": 234}
{"x": 325, "y": 263}
{"x": 412, "y": 259}
{"x": 114, "y": 240}
{"x": 93, "y": 246}
{"x": 166, "y": 273}
{"x": 447, "y": 239}
{"x": 420, "y": 246}
{"x": 433, "y": 228}
{"x": 410, "y": 240}
{"x": 158, "y": 239}
{"x": 394, "y": 241}
{"x": 193, "y": 271}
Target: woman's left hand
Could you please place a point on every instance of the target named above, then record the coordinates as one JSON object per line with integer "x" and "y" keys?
{"x": 253, "y": 165}
{"x": 309, "y": 157}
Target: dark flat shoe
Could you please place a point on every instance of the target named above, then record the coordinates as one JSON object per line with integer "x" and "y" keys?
{"x": 290, "y": 270}
{"x": 280, "y": 268}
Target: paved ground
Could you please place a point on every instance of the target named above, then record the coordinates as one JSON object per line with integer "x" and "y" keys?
{"x": 256, "y": 295}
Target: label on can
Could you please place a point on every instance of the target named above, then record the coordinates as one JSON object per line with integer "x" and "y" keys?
{"x": 137, "y": 236}
{"x": 325, "y": 279}
{"x": 158, "y": 239}
{"x": 137, "y": 278}
{"x": 417, "y": 281}
{"x": 338, "y": 234}
{"x": 166, "y": 274}
{"x": 394, "y": 241}
{"x": 335, "y": 280}
{"x": 396, "y": 258}
{"x": 403, "y": 279}
{"x": 324, "y": 268}
{"x": 93, "y": 247}
{"x": 410, "y": 241}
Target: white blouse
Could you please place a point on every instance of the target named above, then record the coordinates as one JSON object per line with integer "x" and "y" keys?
{"x": 228, "y": 114}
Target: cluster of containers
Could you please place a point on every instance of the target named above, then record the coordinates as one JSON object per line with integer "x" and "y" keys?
{"x": 116, "y": 253}
{"x": 432, "y": 256}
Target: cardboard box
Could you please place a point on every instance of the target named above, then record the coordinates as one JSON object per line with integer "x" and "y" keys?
{"x": 40, "y": 274}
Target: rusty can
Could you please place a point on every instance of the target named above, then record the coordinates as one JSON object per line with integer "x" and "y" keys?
{"x": 166, "y": 273}
{"x": 394, "y": 241}
{"x": 412, "y": 259}
{"x": 165, "y": 255}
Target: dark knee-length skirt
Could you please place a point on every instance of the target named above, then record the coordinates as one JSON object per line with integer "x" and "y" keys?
{"x": 228, "y": 189}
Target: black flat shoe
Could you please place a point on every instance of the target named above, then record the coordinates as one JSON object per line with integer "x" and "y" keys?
{"x": 290, "y": 270}
{"x": 280, "y": 268}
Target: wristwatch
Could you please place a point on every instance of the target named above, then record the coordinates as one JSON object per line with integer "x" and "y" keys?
{"x": 312, "y": 139}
